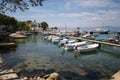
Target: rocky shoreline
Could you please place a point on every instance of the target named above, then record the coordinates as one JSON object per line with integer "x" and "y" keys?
{"x": 10, "y": 74}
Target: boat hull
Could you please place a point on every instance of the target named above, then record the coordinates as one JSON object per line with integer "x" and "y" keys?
{"x": 87, "y": 48}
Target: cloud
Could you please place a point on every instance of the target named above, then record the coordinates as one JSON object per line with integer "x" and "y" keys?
{"x": 92, "y": 3}
{"x": 67, "y": 6}
{"x": 39, "y": 10}
{"x": 83, "y": 14}
{"x": 88, "y": 12}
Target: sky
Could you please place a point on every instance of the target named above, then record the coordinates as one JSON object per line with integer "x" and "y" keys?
{"x": 73, "y": 13}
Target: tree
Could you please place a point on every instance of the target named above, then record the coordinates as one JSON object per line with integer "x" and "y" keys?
{"x": 10, "y": 22}
{"x": 21, "y": 25}
{"x": 54, "y": 28}
{"x": 44, "y": 25}
{"x": 13, "y": 5}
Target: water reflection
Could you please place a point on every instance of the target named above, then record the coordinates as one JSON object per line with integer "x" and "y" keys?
{"x": 78, "y": 54}
{"x": 117, "y": 55}
{"x": 35, "y": 72}
{"x": 19, "y": 41}
{"x": 111, "y": 49}
{"x": 36, "y": 54}
{"x": 7, "y": 49}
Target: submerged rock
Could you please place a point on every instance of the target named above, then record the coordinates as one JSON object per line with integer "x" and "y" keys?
{"x": 53, "y": 76}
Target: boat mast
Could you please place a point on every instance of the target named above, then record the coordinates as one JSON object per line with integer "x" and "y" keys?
{"x": 65, "y": 27}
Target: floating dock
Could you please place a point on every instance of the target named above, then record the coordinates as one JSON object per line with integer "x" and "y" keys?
{"x": 94, "y": 41}
{"x": 100, "y": 42}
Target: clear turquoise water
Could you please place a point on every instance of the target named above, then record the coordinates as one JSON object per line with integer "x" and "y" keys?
{"x": 36, "y": 54}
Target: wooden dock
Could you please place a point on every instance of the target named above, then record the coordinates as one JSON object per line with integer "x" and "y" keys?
{"x": 94, "y": 41}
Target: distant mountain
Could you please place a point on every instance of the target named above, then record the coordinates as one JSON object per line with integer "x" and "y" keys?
{"x": 111, "y": 28}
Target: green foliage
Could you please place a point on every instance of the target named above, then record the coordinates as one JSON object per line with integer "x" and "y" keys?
{"x": 54, "y": 28}
{"x": 33, "y": 25}
{"x": 13, "y": 5}
{"x": 15, "y": 25}
{"x": 27, "y": 28}
{"x": 8, "y": 21}
{"x": 29, "y": 21}
{"x": 44, "y": 25}
{"x": 21, "y": 25}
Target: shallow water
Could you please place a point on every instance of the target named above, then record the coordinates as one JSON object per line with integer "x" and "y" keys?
{"x": 36, "y": 54}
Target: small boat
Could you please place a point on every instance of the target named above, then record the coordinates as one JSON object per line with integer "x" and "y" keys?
{"x": 17, "y": 36}
{"x": 87, "y": 48}
{"x": 46, "y": 37}
{"x": 49, "y": 38}
{"x": 115, "y": 39}
{"x": 88, "y": 36}
{"x": 62, "y": 42}
{"x": 72, "y": 46}
{"x": 112, "y": 40}
{"x": 100, "y": 31}
{"x": 71, "y": 41}
{"x": 64, "y": 34}
{"x": 56, "y": 39}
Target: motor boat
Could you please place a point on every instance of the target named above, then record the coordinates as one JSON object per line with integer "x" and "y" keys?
{"x": 87, "y": 48}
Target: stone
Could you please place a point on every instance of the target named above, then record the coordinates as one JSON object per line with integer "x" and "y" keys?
{"x": 116, "y": 76}
{"x": 25, "y": 78}
{"x": 53, "y": 76}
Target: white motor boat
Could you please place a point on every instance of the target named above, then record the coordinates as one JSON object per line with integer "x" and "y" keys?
{"x": 62, "y": 42}
{"x": 87, "y": 48}
{"x": 100, "y": 31}
{"x": 56, "y": 39}
{"x": 71, "y": 41}
{"x": 88, "y": 36}
{"x": 72, "y": 46}
{"x": 49, "y": 38}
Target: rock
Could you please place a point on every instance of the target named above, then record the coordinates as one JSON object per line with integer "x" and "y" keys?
{"x": 46, "y": 76}
{"x": 1, "y": 60}
{"x": 25, "y": 78}
{"x": 42, "y": 79}
{"x": 30, "y": 79}
{"x": 53, "y": 76}
{"x": 38, "y": 78}
{"x": 116, "y": 76}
